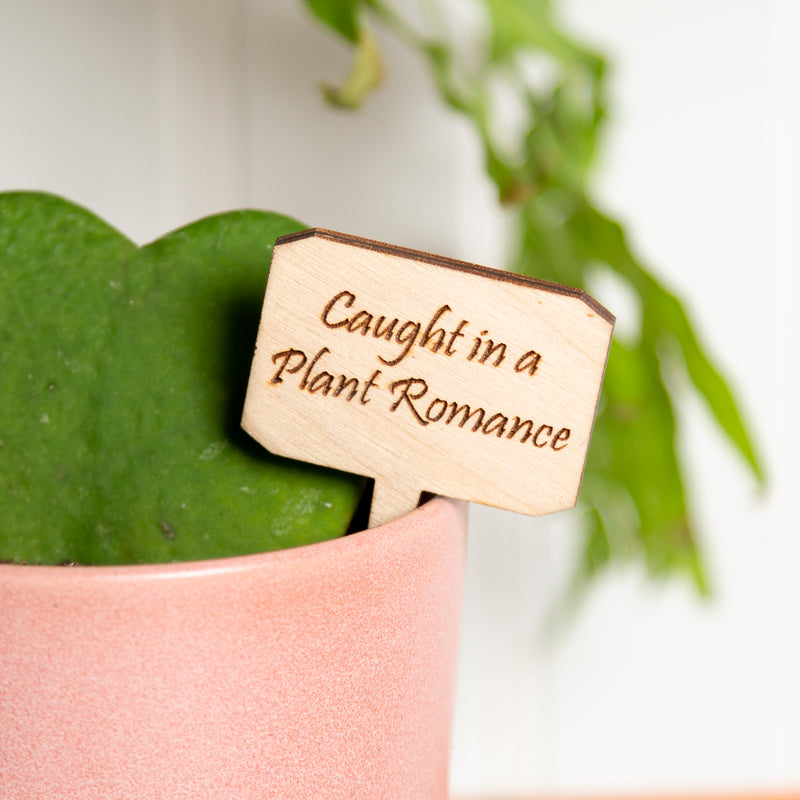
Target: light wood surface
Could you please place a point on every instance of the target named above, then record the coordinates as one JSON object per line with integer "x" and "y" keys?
{"x": 426, "y": 374}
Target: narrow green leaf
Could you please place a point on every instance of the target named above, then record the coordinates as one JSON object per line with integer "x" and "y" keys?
{"x": 341, "y": 15}
{"x": 366, "y": 74}
{"x": 547, "y": 249}
{"x": 704, "y": 375}
{"x": 633, "y": 478}
{"x": 519, "y": 25}
{"x": 602, "y": 239}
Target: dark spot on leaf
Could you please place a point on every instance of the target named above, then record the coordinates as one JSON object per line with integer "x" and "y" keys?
{"x": 167, "y": 530}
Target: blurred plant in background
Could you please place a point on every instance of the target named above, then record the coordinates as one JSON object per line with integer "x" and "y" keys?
{"x": 536, "y": 99}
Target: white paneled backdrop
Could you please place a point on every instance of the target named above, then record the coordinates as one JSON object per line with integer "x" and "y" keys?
{"x": 155, "y": 112}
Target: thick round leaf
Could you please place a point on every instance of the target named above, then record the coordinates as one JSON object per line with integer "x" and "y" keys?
{"x": 122, "y": 378}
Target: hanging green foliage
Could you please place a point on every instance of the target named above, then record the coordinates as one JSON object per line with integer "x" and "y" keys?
{"x": 633, "y": 498}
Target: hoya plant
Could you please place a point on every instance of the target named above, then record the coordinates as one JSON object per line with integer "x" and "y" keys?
{"x": 123, "y": 369}
{"x": 123, "y": 372}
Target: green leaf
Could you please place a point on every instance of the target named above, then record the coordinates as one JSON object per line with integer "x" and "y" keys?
{"x": 704, "y": 375}
{"x": 341, "y": 15}
{"x": 365, "y": 76}
{"x": 633, "y": 478}
{"x": 602, "y": 239}
{"x": 122, "y": 374}
{"x": 520, "y": 25}
{"x": 547, "y": 249}
{"x": 366, "y": 72}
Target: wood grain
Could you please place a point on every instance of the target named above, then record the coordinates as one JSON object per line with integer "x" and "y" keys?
{"x": 427, "y": 374}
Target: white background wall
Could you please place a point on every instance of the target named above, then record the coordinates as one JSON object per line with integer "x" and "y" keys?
{"x": 155, "y": 112}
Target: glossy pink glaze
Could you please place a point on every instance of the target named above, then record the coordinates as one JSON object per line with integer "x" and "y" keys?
{"x": 323, "y": 672}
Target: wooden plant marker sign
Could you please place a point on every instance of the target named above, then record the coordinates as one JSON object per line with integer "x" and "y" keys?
{"x": 426, "y": 374}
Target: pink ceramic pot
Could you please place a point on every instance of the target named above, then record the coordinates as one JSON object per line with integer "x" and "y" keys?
{"x": 322, "y": 672}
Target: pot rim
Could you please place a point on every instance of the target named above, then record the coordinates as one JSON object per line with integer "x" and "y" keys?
{"x": 439, "y": 507}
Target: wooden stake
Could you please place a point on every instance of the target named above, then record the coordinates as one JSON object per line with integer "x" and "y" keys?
{"x": 390, "y": 501}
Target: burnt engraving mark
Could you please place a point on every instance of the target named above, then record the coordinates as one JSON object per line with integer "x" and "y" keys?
{"x": 411, "y": 397}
